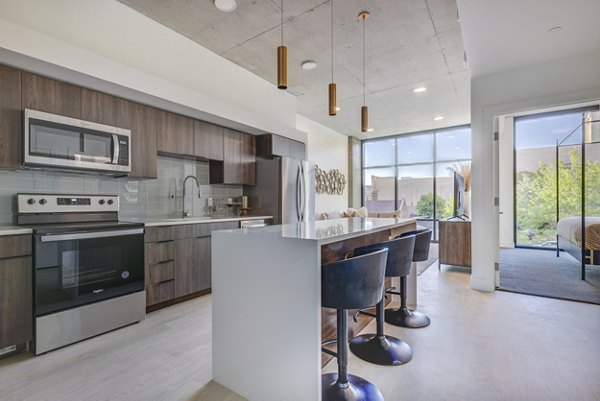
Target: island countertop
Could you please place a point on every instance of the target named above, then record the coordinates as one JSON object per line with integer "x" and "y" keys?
{"x": 324, "y": 231}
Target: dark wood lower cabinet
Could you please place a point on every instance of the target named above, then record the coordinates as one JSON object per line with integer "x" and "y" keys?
{"x": 192, "y": 265}
{"x": 16, "y": 309}
{"x": 178, "y": 262}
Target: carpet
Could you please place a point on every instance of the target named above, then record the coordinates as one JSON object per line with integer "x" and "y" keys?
{"x": 541, "y": 273}
{"x": 434, "y": 254}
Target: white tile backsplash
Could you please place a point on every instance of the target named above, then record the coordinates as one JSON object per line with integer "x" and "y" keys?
{"x": 139, "y": 198}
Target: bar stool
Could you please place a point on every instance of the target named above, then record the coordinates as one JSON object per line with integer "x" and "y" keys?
{"x": 350, "y": 284}
{"x": 404, "y": 317}
{"x": 379, "y": 348}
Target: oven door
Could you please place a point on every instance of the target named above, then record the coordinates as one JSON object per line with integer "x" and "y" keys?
{"x": 79, "y": 268}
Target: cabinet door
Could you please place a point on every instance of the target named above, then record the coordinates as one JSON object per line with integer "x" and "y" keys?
{"x": 297, "y": 150}
{"x": 39, "y": 93}
{"x": 141, "y": 120}
{"x": 248, "y": 160}
{"x": 10, "y": 118}
{"x": 16, "y": 294}
{"x": 175, "y": 134}
{"x": 232, "y": 158}
{"x": 208, "y": 140}
{"x": 192, "y": 265}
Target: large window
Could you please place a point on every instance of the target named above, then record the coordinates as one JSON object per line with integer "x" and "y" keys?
{"x": 413, "y": 173}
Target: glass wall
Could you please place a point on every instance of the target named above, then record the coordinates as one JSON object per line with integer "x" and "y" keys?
{"x": 407, "y": 172}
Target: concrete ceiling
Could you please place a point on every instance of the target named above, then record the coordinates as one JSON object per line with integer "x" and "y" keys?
{"x": 410, "y": 43}
{"x": 508, "y": 34}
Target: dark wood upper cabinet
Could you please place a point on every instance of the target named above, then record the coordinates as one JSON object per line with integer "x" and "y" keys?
{"x": 10, "y": 118}
{"x": 239, "y": 160}
{"x": 232, "y": 158}
{"x": 175, "y": 134}
{"x": 248, "y": 159}
{"x": 51, "y": 96}
{"x": 141, "y": 120}
{"x": 208, "y": 140}
{"x": 269, "y": 145}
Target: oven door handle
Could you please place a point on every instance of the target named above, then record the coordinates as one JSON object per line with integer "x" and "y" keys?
{"x": 90, "y": 235}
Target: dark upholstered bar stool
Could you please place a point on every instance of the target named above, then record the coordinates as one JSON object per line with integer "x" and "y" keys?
{"x": 350, "y": 284}
{"x": 379, "y": 348}
{"x": 404, "y": 317}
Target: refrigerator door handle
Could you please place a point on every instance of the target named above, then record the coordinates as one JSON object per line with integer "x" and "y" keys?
{"x": 303, "y": 194}
{"x": 298, "y": 185}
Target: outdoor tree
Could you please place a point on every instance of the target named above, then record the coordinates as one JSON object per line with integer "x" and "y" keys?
{"x": 536, "y": 193}
{"x": 425, "y": 205}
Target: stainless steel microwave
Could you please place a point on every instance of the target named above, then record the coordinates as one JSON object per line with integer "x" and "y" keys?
{"x": 62, "y": 142}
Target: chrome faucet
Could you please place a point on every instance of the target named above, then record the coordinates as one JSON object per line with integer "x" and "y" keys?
{"x": 184, "y": 212}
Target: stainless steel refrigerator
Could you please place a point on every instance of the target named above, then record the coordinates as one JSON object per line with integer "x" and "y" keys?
{"x": 285, "y": 189}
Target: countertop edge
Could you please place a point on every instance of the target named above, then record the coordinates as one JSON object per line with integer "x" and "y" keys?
{"x": 343, "y": 237}
{"x": 192, "y": 221}
{"x": 5, "y": 231}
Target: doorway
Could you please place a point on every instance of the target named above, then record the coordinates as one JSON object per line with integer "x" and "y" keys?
{"x": 545, "y": 173}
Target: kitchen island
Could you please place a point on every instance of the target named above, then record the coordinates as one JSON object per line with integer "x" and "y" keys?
{"x": 267, "y": 316}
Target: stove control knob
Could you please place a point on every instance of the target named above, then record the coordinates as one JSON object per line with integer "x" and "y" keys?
{"x": 30, "y": 201}
{"x": 110, "y": 202}
{"x": 101, "y": 201}
{"x": 43, "y": 201}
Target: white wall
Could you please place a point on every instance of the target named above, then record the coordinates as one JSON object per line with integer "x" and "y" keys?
{"x": 109, "y": 41}
{"x": 328, "y": 149}
{"x": 551, "y": 84}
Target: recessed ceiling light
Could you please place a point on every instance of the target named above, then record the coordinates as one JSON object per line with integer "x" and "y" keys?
{"x": 226, "y": 6}
{"x": 338, "y": 108}
{"x": 309, "y": 65}
{"x": 371, "y": 130}
{"x": 438, "y": 118}
{"x": 555, "y": 29}
{"x": 420, "y": 89}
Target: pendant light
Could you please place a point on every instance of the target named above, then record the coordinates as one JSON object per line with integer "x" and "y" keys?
{"x": 364, "y": 110}
{"x": 332, "y": 86}
{"x": 282, "y": 59}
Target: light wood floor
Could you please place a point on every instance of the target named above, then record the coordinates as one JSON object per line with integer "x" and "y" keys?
{"x": 480, "y": 346}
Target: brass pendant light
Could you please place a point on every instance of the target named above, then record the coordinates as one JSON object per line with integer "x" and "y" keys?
{"x": 282, "y": 59}
{"x": 364, "y": 110}
{"x": 332, "y": 86}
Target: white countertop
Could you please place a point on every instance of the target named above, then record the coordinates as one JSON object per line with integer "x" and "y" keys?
{"x": 194, "y": 220}
{"x": 14, "y": 230}
{"x": 323, "y": 231}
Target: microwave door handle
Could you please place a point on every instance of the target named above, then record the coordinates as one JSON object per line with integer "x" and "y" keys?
{"x": 115, "y": 158}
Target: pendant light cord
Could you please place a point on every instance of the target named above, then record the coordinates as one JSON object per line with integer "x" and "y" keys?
{"x": 281, "y": 8}
{"x": 331, "y": 40}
